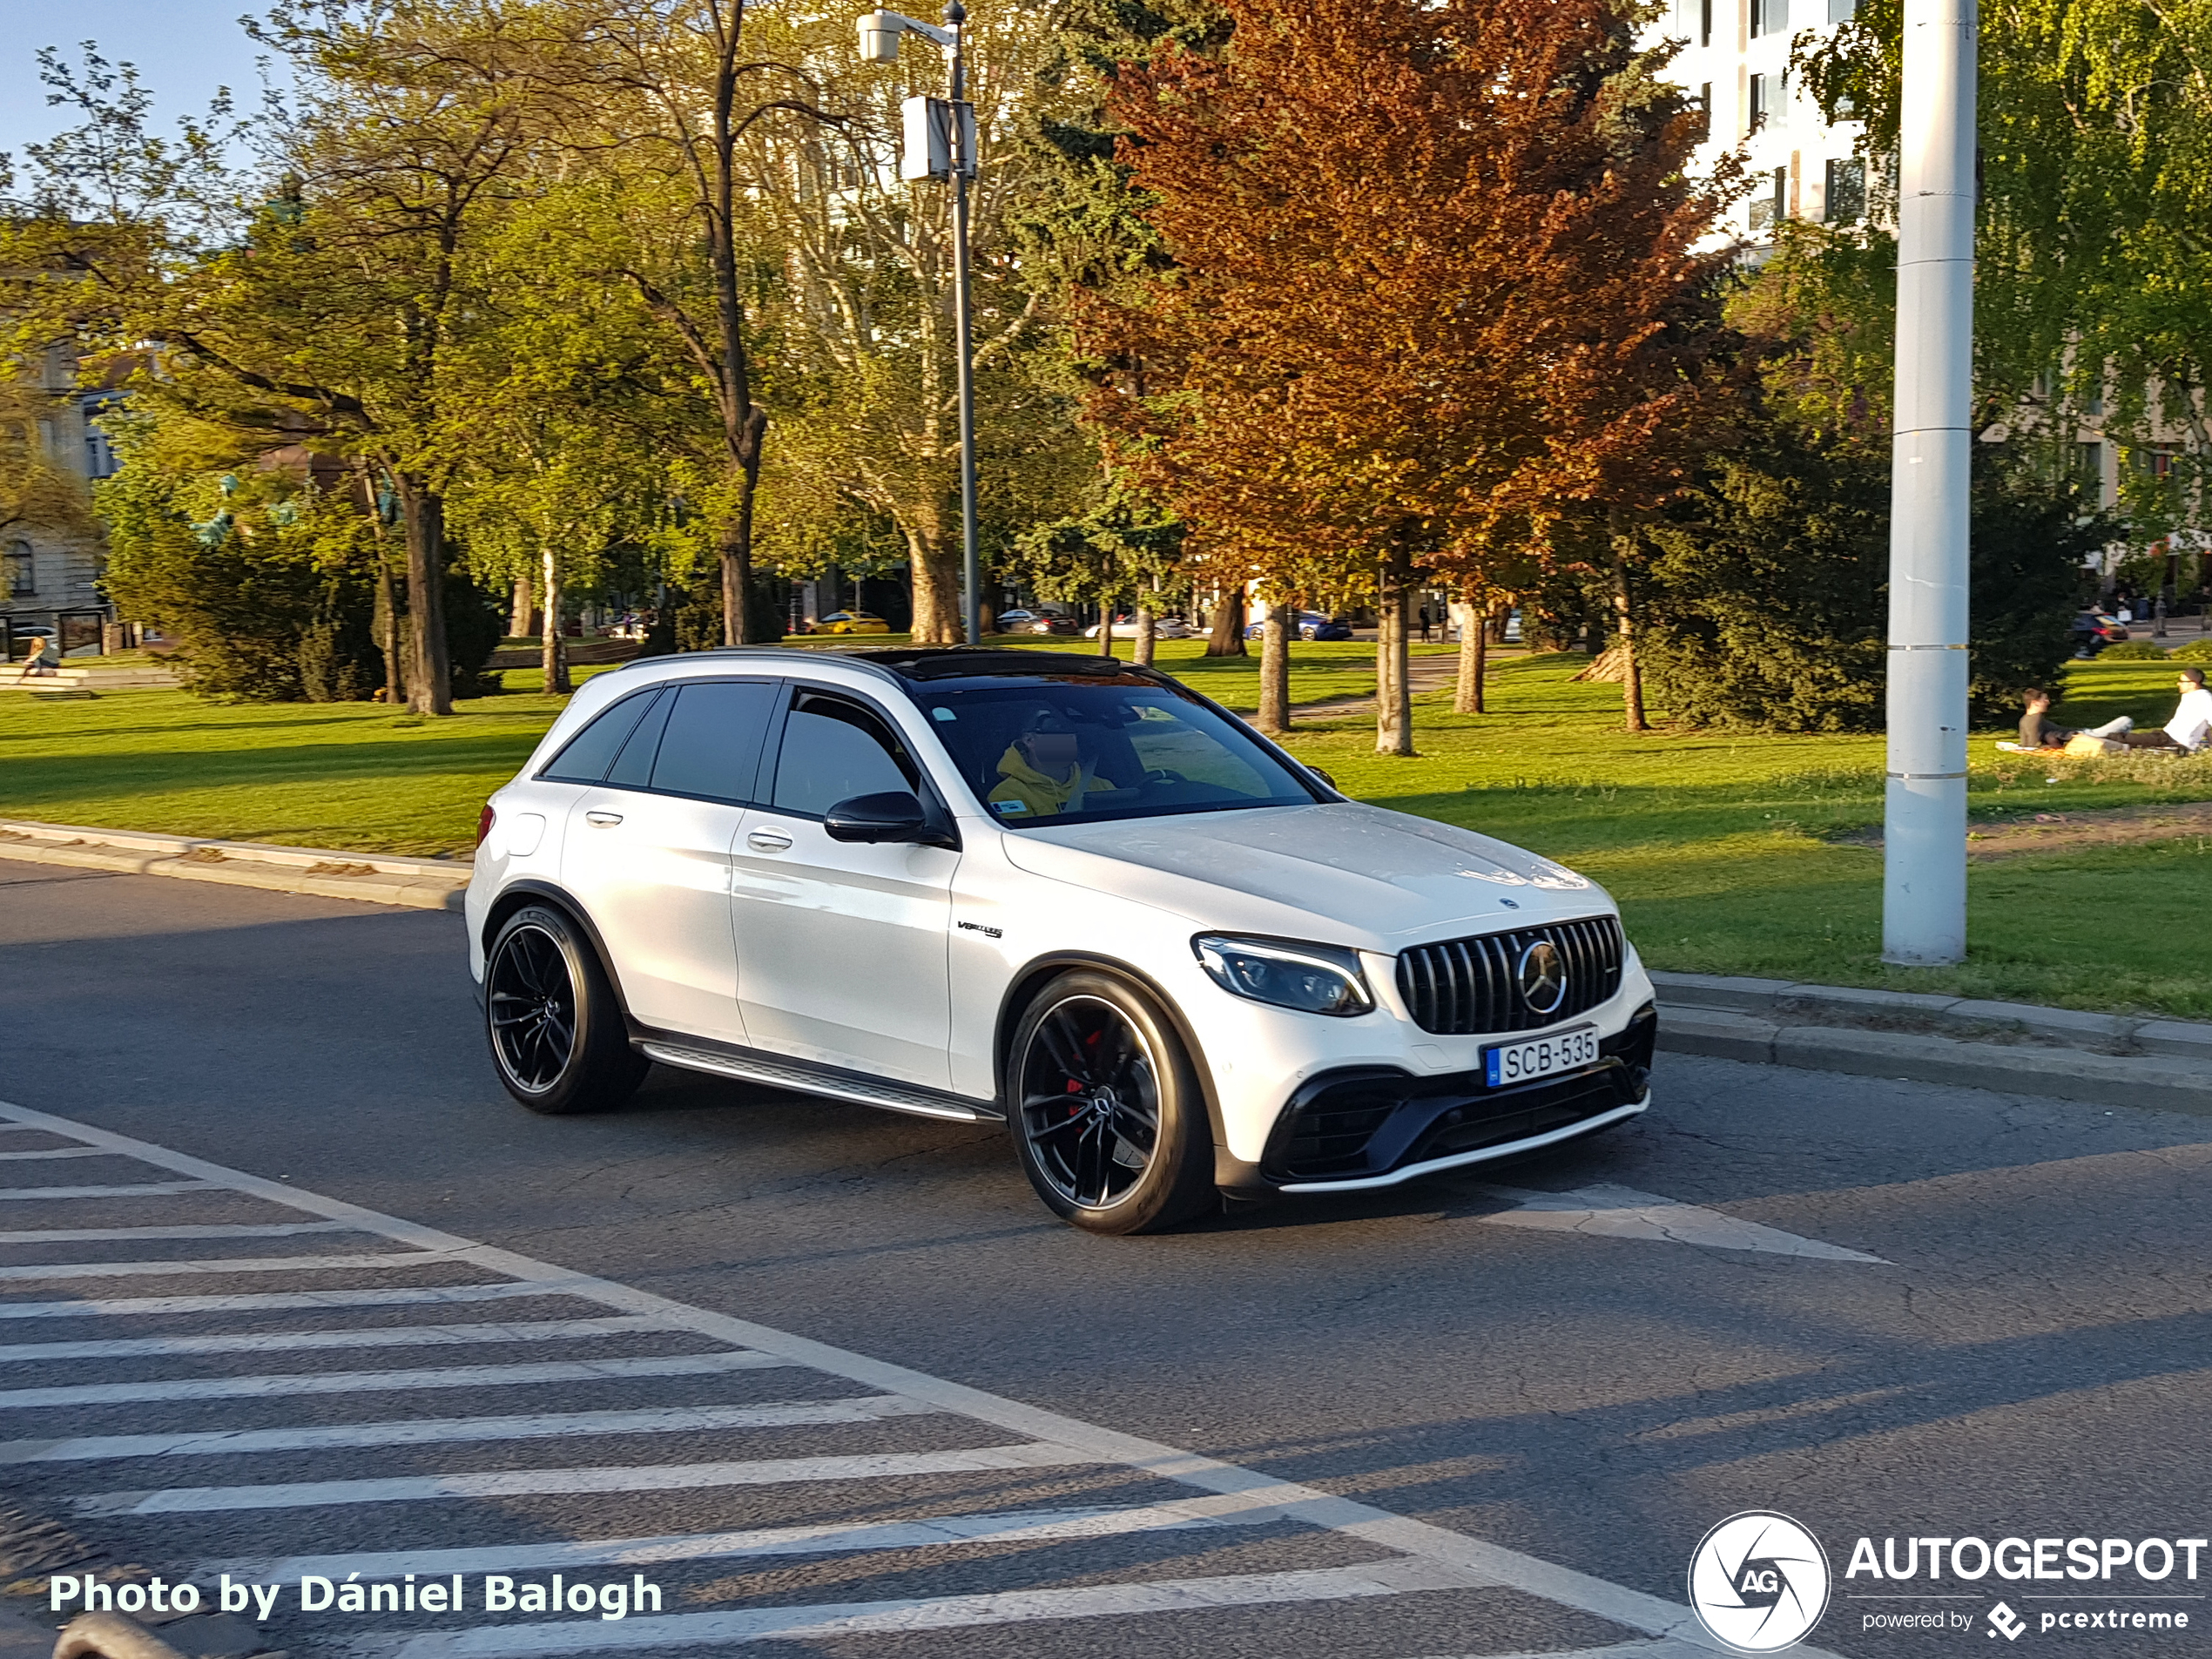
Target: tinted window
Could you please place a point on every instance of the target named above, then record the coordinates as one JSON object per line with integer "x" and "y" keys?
{"x": 834, "y": 750}
{"x": 712, "y": 746}
{"x": 633, "y": 767}
{"x": 585, "y": 759}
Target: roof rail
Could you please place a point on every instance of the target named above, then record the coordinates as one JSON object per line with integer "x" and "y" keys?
{"x": 781, "y": 654}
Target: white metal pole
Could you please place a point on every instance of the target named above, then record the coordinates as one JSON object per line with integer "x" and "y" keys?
{"x": 971, "y": 573}
{"x": 1924, "y": 888}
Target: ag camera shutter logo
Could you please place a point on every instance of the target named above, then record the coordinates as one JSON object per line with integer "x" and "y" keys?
{"x": 1758, "y": 1582}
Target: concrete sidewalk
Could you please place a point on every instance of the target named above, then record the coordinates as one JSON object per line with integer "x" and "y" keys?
{"x": 373, "y": 878}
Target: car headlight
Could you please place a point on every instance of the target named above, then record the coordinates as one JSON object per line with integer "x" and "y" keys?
{"x": 1313, "y": 979}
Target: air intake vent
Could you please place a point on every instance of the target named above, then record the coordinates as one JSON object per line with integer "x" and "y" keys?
{"x": 1471, "y": 987}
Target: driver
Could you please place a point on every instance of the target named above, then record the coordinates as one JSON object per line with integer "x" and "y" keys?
{"x": 1042, "y": 772}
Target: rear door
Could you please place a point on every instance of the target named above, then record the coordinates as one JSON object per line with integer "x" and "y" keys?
{"x": 648, "y": 850}
{"x": 842, "y": 947}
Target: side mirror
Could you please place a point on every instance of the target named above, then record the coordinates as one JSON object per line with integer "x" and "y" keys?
{"x": 1325, "y": 777}
{"x": 894, "y": 815}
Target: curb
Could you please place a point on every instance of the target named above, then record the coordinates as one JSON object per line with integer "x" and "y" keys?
{"x": 2015, "y": 1047}
{"x": 421, "y": 884}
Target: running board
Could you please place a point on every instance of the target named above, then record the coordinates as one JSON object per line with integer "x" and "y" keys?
{"x": 890, "y": 1096}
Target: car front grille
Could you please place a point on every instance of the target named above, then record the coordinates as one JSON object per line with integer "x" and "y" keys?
{"x": 1471, "y": 987}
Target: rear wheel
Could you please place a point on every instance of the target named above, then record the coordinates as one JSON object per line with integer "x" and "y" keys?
{"x": 555, "y": 1027}
{"x": 1107, "y": 1119}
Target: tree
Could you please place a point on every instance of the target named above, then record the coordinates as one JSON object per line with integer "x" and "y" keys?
{"x": 1424, "y": 257}
{"x": 36, "y": 489}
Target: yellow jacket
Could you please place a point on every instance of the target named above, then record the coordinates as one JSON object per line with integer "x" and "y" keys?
{"x": 1023, "y": 792}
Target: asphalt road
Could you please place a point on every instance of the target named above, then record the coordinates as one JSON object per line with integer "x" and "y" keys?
{"x": 1585, "y": 1380}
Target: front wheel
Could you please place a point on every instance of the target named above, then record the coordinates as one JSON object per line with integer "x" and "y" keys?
{"x": 555, "y": 1030}
{"x": 1107, "y": 1119}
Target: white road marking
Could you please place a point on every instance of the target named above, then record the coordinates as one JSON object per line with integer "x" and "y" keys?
{"x": 214, "y": 1229}
{"x": 690, "y": 1630}
{"x": 1014, "y": 1527}
{"x": 522, "y": 1483}
{"x": 56, "y": 1152}
{"x": 236, "y": 1264}
{"x": 1623, "y": 1212}
{"x": 398, "y": 1336}
{"x": 1454, "y": 1557}
{"x": 1618, "y": 1650}
{"x": 357, "y": 1382}
{"x": 143, "y": 1190}
{"x": 432, "y": 1431}
{"x": 260, "y": 1301}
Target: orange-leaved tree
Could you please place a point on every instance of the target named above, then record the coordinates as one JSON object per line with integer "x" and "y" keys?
{"x": 1426, "y": 253}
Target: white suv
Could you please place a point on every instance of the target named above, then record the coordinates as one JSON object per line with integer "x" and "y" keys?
{"x": 1055, "y": 890}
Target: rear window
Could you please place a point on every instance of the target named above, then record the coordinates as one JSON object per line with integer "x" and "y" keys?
{"x": 587, "y": 754}
{"x": 711, "y": 745}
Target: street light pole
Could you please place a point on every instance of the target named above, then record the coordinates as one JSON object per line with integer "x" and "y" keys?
{"x": 971, "y": 557}
{"x": 1924, "y": 883}
{"x": 941, "y": 143}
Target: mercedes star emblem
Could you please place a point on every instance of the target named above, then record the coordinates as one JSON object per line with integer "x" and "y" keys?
{"x": 1543, "y": 977}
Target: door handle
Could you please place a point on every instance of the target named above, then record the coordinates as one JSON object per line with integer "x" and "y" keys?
{"x": 768, "y": 841}
{"x": 603, "y": 820}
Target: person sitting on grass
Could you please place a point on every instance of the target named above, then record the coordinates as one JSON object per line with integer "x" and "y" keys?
{"x": 1042, "y": 772}
{"x": 2038, "y": 732}
{"x": 2192, "y": 721}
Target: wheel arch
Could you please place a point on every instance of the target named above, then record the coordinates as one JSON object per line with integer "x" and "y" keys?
{"x": 1037, "y": 972}
{"x": 529, "y": 891}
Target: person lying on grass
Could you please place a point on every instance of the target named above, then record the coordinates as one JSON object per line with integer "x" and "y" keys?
{"x": 2192, "y": 721}
{"x": 2038, "y": 732}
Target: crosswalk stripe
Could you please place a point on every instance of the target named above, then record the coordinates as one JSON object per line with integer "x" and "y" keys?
{"x": 27, "y": 1156}
{"x": 401, "y": 1336}
{"x": 518, "y": 1483}
{"x": 378, "y": 1296}
{"x": 140, "y": 1190}
{"x": 430, "y": 1431}
{"x": 355, "y": 1382}
{"x": 1009, "y": 1527}
{"x": 690, "y": 1630}
{"x": 241, "y": 1264}
{"x": 209, "y": 1230}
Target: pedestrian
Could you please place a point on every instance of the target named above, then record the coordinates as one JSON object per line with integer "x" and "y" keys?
{"x": 1423, "y": 622}
{"x": 2037, "y": 732}
{"x": 2158, "y": 615}
{"x": 44, "y": 659}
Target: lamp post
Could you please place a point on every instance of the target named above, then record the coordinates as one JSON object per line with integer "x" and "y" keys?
{"x": 941, "y": 145}
{"x": 1924, "y": 876}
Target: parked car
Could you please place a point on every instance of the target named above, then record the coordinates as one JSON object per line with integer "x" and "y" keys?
{"x": 1015, "y": 621}
{"x": 852, "y": 621}
{"x": 1176, "y": 963}
{"x": 1048, "y": 623}
{"x": 1331, "y": 628}
{"x": 1309, "y": 624}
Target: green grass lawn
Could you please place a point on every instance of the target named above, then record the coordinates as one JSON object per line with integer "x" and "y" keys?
{"x": 1720, "y": 848}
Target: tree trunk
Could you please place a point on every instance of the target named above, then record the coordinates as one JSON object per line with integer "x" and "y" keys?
{"x": 1624, "y": 641}
{"x": 429, "y": 667}
{"x": 935, "y": 566}
{"x": 1227, "y": 637}
{"x": 553, "y": 656}
{"x": 1469, "y": 617}
{"x": 1106, "y": 626}
{"x": 384, "y": 621}
{"x": 1147, "y": 634}
{"x": 1275, "y": 671}
{"x": 521, "y": 616}
{"x": 1393, "y": 692}
{"x": 734, "y": 538}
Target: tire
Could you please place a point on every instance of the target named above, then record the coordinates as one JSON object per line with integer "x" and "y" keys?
{"x": 1105, "y": 1108}
{"x": 555, "y": 1030}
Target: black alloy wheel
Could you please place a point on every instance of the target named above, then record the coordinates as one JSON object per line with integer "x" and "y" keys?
{"x": 1107, "y": 1118}
{"x": 556, "y": 1032}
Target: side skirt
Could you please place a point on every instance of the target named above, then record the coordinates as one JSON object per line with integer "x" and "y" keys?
{"x": 780, "y": 1071}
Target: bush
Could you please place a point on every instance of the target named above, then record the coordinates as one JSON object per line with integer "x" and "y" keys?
{"x": 1768, "y": 608}
{"x": 2134, "y": 650}
{"x": 2197, "y": 650}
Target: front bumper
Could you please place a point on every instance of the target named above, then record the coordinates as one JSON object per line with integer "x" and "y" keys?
{"x": 1373, "y": 1126}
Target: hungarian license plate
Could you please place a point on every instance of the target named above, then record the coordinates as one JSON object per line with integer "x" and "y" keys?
{"x": 1521, "y": 1062}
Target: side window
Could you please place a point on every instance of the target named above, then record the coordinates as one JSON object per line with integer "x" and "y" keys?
{"x": 833, "y": 750}
{"x": 633, "y": 767}
{"x": 585, "y": 759}
{"x": 712, "y": 746}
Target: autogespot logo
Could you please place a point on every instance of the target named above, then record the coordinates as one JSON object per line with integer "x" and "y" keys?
{"x": 1759, "y": 1582}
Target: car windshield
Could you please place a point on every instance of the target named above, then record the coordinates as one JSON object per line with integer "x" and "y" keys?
{"x": 1086, "y": 748}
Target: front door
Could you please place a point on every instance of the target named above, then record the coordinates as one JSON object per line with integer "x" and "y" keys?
{"x": 841, "y": 947}
{"x": 648, "y": 849}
